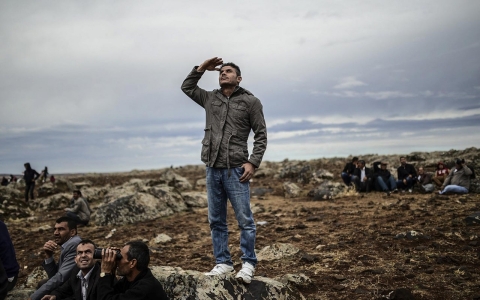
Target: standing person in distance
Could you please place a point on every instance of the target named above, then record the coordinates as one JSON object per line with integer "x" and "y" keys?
{"x": 231, "y": 113}
{"x": 30, "y": 175}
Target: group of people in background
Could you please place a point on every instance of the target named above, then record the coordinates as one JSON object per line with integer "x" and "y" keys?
{"x": 364, "y": 179}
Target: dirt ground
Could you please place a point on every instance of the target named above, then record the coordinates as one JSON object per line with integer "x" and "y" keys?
{"x": 350, "y": 247}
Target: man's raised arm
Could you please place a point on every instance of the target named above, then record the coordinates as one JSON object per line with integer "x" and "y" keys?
{"x": 189, "y": 85}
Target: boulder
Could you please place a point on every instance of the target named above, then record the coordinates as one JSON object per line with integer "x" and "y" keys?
{"x": 276, "y": 251}
{"x": 264, "y": 172}
{"x": 323, "y": 174}
{"x": 54, "y": 202}
{"x": 201, "y": 183}
{"x": 297, "y": 171}
{"x": 195, "y": 199}
{"x": 160, "y": 239}
{"x": 61, "y": 185}
{"x": 149, "y": 204}
{"x": 291, "y": 190}
{"x": 193, "y": 285}
{"x": 12, "y": 204}
{"x": 173, "y": 179}
{"x": 327, "y": 190}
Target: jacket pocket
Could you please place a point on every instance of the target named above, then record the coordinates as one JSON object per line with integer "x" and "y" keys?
{"x": 237, "y": 156}
{"x": 217, "y": 107}
{"x": 205, "y": 155}
{"x": 239, "y": 111}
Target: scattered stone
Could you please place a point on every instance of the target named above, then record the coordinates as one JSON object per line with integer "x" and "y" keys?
{"x": 473, "y": 219}
{"x": 195, "y": 199}
{"x": 338, "y": 287}
{"x": 398, "y": 294}
{"x": 291, "y": 190}
{"x": 276, "y": 251}
{"x": 161, "y": 239}
{"x": 296, "y": 280}
{"x": 308, "y": 258}
{"x": 339, "y": 277}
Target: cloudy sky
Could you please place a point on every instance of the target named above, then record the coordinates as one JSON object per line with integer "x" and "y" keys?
{"x": 94, "y": 86}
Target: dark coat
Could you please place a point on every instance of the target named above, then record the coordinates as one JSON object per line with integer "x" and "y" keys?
{"x": 72, "y": 289}
{"x": 404, "y": 171}
{"x": 144, "y": 287}
{"x": 358, "y": 172}
{"x": 349, "y": 168}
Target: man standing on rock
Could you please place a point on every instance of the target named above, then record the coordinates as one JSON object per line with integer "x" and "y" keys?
{"x": 231, "y": 113}
{"x": 29, "y": 175}
{"x": 66, "y": 239}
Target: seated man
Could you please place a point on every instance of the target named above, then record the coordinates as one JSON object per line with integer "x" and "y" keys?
{"x": 348, "y": 171}
{"x": 79, "y": 210}
{"x": 66, "y": 239}
{"x": 441, "y": 174}
{"x": 458, "y": 181}
{"x": 82, "y": 284}
{"x": 362, "y": 177}
{"x": 406, "y": 174}
{"x": 425, "y": 181}
{"x": 138, "y": 281}
{"x": 386, "y": 180}
{"x": 8, "y": 262}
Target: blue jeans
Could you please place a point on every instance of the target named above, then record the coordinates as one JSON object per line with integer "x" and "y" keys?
{"x": 409, "y": 185}
{"x": 390, "y": 185}
{"x": 346, "y": 178}
{"x": 220, "y": 187}
{"x": 454, "y": 189}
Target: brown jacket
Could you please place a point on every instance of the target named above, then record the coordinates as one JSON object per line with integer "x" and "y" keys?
{"x": 228, "y": 124}
{"x": 458, "y": 177}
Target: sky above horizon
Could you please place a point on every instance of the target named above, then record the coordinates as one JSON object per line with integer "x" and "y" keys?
{"x": 94, "y": 86}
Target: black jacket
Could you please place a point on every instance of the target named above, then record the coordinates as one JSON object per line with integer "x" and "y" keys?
{"x": 29, "y": 175}
{"x": 358, "y": 173}
{"x": 385, "y": 174}
{"x": 349, "y": 168}
{"x": 144, "y": 287}
{"x": 404, "y": 171}
{"x": 72, "y": 289}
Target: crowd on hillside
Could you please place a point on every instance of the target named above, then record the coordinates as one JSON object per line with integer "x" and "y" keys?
{"x": 445, "y": 180}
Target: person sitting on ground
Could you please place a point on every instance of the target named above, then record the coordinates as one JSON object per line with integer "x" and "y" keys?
{"x": 8, "y": 262}
{"x": 425, "y": 181}
{"x": 348, "y": 171}
{"x": 30, "y": 175}
{"x": 82, "y": 284}
{"x": 458, "y": 181}
{"x": 65, "y": 239}
{"x": 441, "y": 174}
{"x": 4, "y": 181}
{"x": 138, "y": 282}
{"x": 79, "y": 209}
{"x": 385, "y": 180}
{"x": 52, "y": 180}
{"x": 406, "y": 175}
{"x": 362, "y": 177}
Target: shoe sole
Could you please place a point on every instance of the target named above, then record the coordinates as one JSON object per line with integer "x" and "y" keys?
{"x": 224, "y": 274}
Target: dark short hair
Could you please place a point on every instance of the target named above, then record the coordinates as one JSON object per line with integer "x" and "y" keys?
{"x": 139, "y": 250}
{"x": 362, "y": 162}
{"x": 354, "y": 159}
{"x": 87, "y": 241}
{"x": 402, "y": 157}
{"x": 71, "y": 223}
{"x": 78, "y": 192}
{"x": 230, "y": 64}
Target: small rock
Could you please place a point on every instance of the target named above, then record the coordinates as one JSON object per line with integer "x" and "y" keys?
{"x": 338, "y": 287}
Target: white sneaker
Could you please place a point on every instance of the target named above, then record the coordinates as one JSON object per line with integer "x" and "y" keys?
{"x": 245, "y": 275}
{"x": 221, "y": 269}
{"x": 409, "y": 190}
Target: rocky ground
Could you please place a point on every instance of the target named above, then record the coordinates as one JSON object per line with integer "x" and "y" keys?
{"x": 350, "y": 246}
